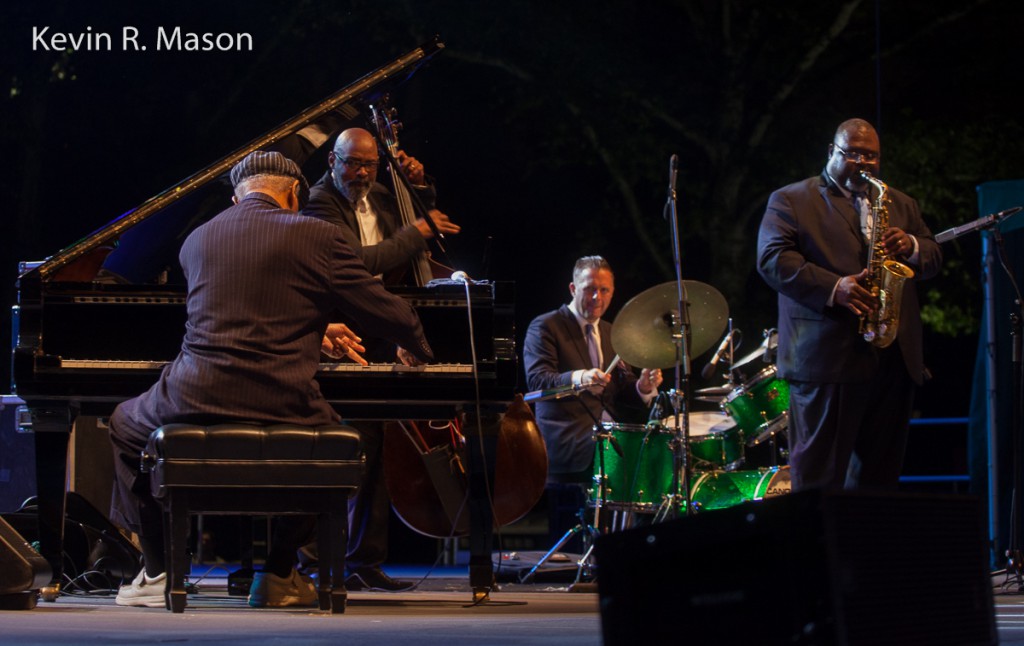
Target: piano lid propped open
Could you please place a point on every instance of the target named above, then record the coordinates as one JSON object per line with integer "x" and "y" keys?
{"x": 81, "y": 261}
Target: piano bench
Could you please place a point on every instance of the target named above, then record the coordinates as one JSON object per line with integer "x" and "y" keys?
{"x": 237, "y": 468}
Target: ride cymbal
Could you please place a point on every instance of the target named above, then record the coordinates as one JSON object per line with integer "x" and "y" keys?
{"x": 642, "y": 332}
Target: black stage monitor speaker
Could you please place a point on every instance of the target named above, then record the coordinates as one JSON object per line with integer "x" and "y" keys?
{"x": 22, "y": 570}
{"x": 803, "y": 568}
{"x": 97, "y": 556}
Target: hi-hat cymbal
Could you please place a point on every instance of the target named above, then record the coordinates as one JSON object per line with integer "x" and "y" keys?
{"x": 713, "y": 394}
{"x": 756, "y": 354}
{"x": 767, "y": 348}
{"x": 714, "y": 391}
{"x": 642, "y": 332}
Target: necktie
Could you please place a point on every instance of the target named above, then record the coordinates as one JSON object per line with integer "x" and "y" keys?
{"x": 595, "y": 352}
{"x": 860, "y": 204}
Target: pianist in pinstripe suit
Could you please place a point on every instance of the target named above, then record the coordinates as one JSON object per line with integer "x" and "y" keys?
{"x": 262, "y": 281}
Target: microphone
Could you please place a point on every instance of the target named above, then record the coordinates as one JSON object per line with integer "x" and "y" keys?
{"x": 673, "y": 170}
{"x": 462, "y": 277}
{"x": 980, "y": 223}
{"x": 710, "y": 368}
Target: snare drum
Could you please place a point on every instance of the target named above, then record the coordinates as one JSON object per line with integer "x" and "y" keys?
{"x": 760, "y": 406}
{"x": 716, "y": 442}
{"x": 638, "y": 478}
{"x": 725, "y": 489}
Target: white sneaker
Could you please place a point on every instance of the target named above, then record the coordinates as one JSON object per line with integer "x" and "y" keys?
{"x": 271, "y": 591}
{"x": 143, "y": 591}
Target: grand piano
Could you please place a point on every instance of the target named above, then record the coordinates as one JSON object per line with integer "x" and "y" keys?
{"x": 94, "y": 324}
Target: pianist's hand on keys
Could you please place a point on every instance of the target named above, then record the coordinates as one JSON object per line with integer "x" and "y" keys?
{"x": 407, "y": 358}
{"x": 340, "y": 342}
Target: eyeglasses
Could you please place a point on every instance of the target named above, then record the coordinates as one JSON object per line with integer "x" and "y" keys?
{"x": 857, "y": 158}
{"x": 355, "y": 164}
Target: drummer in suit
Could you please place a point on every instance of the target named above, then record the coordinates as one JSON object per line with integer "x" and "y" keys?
{"x": 572, "y": 347}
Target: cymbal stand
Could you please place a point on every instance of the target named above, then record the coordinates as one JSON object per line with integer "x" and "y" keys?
{"x": 681, "y": 458}
{"x": 680, "y": 324}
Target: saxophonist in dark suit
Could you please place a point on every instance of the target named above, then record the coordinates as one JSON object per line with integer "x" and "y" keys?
{"x": 850, "y": 401}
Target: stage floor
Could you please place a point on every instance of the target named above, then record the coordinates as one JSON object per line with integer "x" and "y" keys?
{"x": 439, "y": 612}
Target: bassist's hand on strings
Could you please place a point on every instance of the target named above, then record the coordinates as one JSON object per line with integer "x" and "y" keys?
{"x": 412, "y": 169}
{"x": 444, "y": 225}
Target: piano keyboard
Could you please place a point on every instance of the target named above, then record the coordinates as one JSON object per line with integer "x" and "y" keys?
{"x": 434, "y": 368}
{"x": 96, "y": 364}
{"x": 445, "y": 368}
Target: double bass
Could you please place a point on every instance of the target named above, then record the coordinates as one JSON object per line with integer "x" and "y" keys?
{"x": 426, "y": 462}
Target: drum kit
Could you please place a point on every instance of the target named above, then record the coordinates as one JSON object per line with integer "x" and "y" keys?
{"x": 688, "y": 461}
{"x": 735, "y": 454}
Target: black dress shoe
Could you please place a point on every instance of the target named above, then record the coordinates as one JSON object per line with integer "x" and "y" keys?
{"x": 374, "y": 578}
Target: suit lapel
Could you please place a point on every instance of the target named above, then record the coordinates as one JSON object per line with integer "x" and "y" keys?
{"x": 842, "y": 207}
{"x": 386, "y": 220}
{"x": 348, "y": 214}
{"x": 572, "y": 330}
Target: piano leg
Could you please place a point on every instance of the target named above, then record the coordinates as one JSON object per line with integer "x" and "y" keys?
{"x": 52, "y": 430}
{"x": 481, "y": 516}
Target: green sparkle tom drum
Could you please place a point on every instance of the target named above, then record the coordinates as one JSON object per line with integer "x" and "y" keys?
{"x": 716, "y": 442}
{"x": 760, "y": 406}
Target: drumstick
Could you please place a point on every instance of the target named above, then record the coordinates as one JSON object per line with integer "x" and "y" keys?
{"x": 615, "y": 362}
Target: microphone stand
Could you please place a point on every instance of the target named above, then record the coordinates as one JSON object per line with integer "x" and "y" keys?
{"x": 681, "y": 338}
{"x": 1014, "y": 553}
{"x": 989, "y": 223}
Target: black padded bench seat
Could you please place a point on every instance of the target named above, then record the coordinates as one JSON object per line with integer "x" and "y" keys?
{"x": 237, "y": 468}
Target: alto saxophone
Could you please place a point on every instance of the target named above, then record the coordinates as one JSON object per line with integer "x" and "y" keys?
{"x": 886, "y": 276}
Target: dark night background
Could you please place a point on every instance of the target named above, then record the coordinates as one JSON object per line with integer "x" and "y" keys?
{"x": 548, "y": 127}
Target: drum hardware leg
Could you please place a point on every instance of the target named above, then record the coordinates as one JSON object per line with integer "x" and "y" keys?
{"x": 670, "y": 504}
{"x": 678, "y": 498}
{"x": 589, "y": 532}
{"x": 584, "y": 565}
{"x": 621, "y": 519}
{"x": 667, "y": 502}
